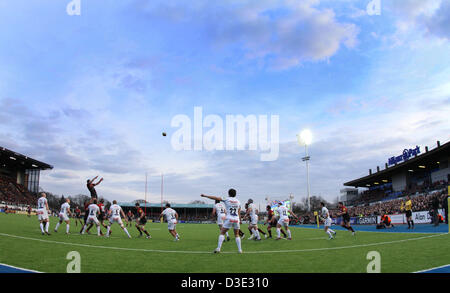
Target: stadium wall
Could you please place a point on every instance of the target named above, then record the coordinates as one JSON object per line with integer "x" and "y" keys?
{"x": 422, "y": 217}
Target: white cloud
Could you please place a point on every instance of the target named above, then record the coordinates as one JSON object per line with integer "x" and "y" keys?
{"x": 286, "y": 33}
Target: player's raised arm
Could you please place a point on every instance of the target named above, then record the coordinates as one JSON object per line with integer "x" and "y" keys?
{"x": 98, "y": 182}
{"x": 212, "y": 197}
{"x": 290, "y": 211}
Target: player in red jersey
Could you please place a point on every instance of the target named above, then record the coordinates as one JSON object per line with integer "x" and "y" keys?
{"x": 343, "y": 212}
{"x": 102, "y": 216}
{"x": 86, "y": 215}
{"x": 141, "y": 220}
{"x": 78, "y": 216}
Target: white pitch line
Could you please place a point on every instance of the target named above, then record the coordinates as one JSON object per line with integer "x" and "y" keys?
{"x": 209, "y": 252}
{"x": 17, "y": 268}
{"x": 427, "y": 270}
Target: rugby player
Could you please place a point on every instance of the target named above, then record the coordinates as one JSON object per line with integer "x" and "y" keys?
{"x": 252, "y": 214}
{"x": 64, "y": 215}
{"x": 102, "y": 216}
{"x": 345, "y": 217}
{"x": 141, "y": 220}
{"x": 29, "y": 211}
{"x": 129, "y": 218}
{"x": 272, "y": 222}
{"x": 78, "y": 216}
{"x": 91, "y": 186}
{"x": 86, "y": 215}
{"x": 93, "y": 212}
{"x": 220, "y": 212}
{"x": 232, "y": 220}
{"x": 283, "y": 220}
{"x": 327, "y": 221}
{"x": 114, "y": 213}
{"x": 172, "y": 218}
{"x": 42, "y": 212}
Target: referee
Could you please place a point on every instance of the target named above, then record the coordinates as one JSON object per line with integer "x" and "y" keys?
{"x": 408, "y": 212}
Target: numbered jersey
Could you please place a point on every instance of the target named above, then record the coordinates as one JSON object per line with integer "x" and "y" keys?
{"x": 170, "y": 213}
{"x": 220, "y": 210}
{"x": 42, "y": 203}
{"x": 115, "y": 211}
{"x": 64, "y": 208}
{"x": 283, "y": 212}
{"x": 232, "y": 206}
{"x": 93, "y": 209}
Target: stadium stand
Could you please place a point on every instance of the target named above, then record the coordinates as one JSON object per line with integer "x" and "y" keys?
{"x": 12, "y": 193}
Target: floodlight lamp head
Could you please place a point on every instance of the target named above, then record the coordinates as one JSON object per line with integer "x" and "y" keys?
{"x": 304, "y": 137}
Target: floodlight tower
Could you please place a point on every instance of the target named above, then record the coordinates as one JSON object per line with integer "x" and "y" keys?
{"x": 304, "y": 139}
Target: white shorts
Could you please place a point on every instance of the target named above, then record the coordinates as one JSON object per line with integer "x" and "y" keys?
{"x": 254, "y": 220}
{"x": 221, "y": 220}
{"x": 63, "y": 217}
{"x": 231, "y": 224}
{"x": 42, "y": 215}
{"x": 283, "y": 222}
{"x": 91, "y": 219}
{"x": 117, "y": 220}
{"x": 327, "y": 222}
{"x": 171, "y": 225}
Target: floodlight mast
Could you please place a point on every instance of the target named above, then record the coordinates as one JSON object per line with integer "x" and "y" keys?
{"x": 304, "y": 139}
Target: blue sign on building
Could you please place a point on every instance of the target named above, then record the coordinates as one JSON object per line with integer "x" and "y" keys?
{"x": 407, "y": 154}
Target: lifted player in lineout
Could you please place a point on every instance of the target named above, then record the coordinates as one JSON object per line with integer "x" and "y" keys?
{"x": 284, "y": 220}
{"x": 42, "y": 212}
{"x": 172, "y": 218}
{"x": 233, "y": 210}
{"x": 114, "y": 213}
{"x": 90, "y": 184}
{"x": 64, "y": 215}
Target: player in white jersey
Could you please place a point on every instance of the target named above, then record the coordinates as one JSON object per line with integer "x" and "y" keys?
{"x": 220, "y": 211}
{"x": 64, "y": 214}
{"x": 114, "y": 213}
{"x": 232, "y": 220}
{"x": 172, "y": 218}
{"x": 42, "y": 212}
{"x": 283, "y": 213}
{"x": 93, "y": 212}
{"x": 327, "y": 221}
{"x": 252, "y": 214}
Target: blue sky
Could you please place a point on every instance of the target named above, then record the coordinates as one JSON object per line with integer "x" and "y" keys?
{"x": 91, "y": 94}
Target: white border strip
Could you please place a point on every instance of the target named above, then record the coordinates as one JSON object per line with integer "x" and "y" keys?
{"x": 17, "y": 268}
{"x": 427, "y": 270}
{"x": 209, "y": 252}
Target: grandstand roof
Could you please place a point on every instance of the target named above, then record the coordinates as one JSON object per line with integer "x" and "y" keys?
{"x": 429, "y": 159}
{"x": 174, "y": 206}
{"x": 11, "y": 158}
